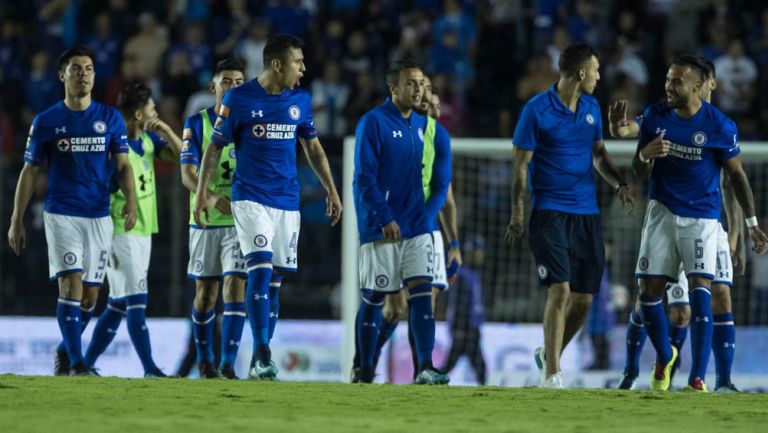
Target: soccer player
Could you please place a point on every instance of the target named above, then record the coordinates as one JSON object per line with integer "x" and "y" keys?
{"x": 723, "y": 335}
{"x": 263, "y": 118}
{"x": 78, "y": 137}
{"x": 559, "y": 138}
{"x": 214, "y": 251}
{"x": 148, "y": 138}
{"x": 684, "y": 142}
{"x": 393, "y": 220}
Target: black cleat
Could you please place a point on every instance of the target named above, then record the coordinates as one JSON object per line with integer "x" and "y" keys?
{"x": 155, "y": 373}
{"x": 228, "y": 372}
{"x": 354, "y": 376}
{"x": 81, "y": 369}
{"x": 627, "y": 382}
{"x": 208, "y": 371}
{"x": 727, "y": 388}
{"x": 61, "y": 364}
{"x": 365, "y": 375}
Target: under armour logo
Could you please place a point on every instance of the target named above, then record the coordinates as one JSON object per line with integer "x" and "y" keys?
{"x": 257, "y": 296}
{"x": 62, "y": 130}
{"x": 239, "y": 265}
{"x": 372, "y": 325}
{"x": 234, "y": 343}
{"x": 255, "y": 113}
{"x": 429, "y": 270}
{"x": 71, "y": 319}
{"x": 725, "y": 274}
{"x": 98, "y": 275}
{"x": 111, "y": 331}
{"x": 290, "y": 260}
{"x": 273, "y": 315}
{"x": 702, "y": 319}
{"x": 661, "y": 131}
{"x": 396, "y": 134}
{"x": 731, "y": 345}
{"x": 698, "y": 266}
{"x": 427, "y": 317}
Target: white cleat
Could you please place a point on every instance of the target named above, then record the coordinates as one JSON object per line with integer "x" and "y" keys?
{"x": 555, "y": 381}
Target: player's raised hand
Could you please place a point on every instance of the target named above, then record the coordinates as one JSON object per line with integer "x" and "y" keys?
{"x": 759, "y": 240}
{"x": 625, "y": 195}
{"x": 17, "y": 237}
{"x": 333, "y": 208}
{"x": 201, "y": 209}
{"x": 391, "y": 231}
{"x": 129, "y": 213}
{"x": 515, "y": 229}
{"x": 656, "y": 148}
{"x": 156, "y": 125}
{"x": 617, "y": 112}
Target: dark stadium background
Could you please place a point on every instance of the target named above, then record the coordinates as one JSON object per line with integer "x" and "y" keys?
{"x": 486, "y": 58}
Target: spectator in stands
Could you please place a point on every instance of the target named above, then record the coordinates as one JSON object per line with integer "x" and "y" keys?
{"x": 289, "y": 17}
{"x": 106, "y": 47}
{"x": 329, "y": 97}
{"x": 538, "y": 78}
{"x": 363, "y": 96}
{"x": 736, "y": 81}
{"x": 197, "y": 52}
{"x": 356, "y": 59}
{"x": 560, "y": 40}
{"x": 146, "y": 48}
{"x": 251, "y": 48}
{"x": 41, "y": 88}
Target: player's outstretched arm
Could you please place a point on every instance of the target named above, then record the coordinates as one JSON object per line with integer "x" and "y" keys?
{"x": 450, "y": 225}
{"x": 319, "y": 163}
{"x": 170, "y": 153}
{"x": 746, "y": 199}
{"x": 516, "y": 227}
{"x": 602, "y": 161}
{"x": 17, "y": 235}
{"x": 735, "y": 217}
{"x": 125, "y": 181}
{"x": 618, "y": 125}
{"x": 207, "y": 168}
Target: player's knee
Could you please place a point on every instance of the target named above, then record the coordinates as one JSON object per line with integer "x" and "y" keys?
{"x": 558, "y": 294}
{"x": 697, "y": 281}
{"x": 653, "y": 287}
{"x": 234, "y": 289}
{"x": 680, "y": 315}
{"x": 90, "y": 296}
{"x": 721, "y": 299}
{"x": 581, "y": 301}
{"x": 206, "y": 293}
{"x": 373, "y": 297}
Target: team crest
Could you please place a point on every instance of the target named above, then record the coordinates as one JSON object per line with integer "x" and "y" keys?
{"x": 699, "y": 138}
{"x": 99, "y": 127}
{"x": 382, "y": 281}
{"x": 542, "y": 271}
{"x": 259, "y": 130}
{"x": 643, "y": 263}
{"x": 143, "y": 284}
{"x": 198, "y": 265}
{"x": 260, "y": 241}
{"x": 421, "y": 134}
{"x": 677, "y": 292}
{"x": 590, "y": 119}
{"x": 294, "y": 112}
{"x": 63, "y": 145}
{"x": 70, "y": 258}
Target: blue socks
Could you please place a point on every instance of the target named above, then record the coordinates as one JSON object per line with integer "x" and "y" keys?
{"x": 231, "y": 331}
{"x": 69, "y": 317}
{"x": 202, "y": 329}
{"x": 656, "y": 326}
{"x": 368, "y": 324}
{"x": 274, "y": 301}
{"x": 677, "y": 336}
{"x": 723, "y": 346}
{"x": 136, "y": 312}
{"x": 85, "y": 317}
{"x": 701, "y": 331}
{"x": 257, "y": 302}
{"x": 422, "y": 322}
{"x": 385, "y": 333}
{"x": 636, "y": 336}
{"x": 105, "y": 331}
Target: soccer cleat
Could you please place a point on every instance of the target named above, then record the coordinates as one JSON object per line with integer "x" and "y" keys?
{"x": 554, "y": 382}
{"x": 675, "y": 367}
{"x": 627, "y": 382}
{"x": 155, "y": 373}
{"x": 541, "y": 363}
{"x": 698, "y": 385}
{"x": 660, "y": 377}
{"x": 81, "y": 369}
{"x": 208, "y": 371}
{"x": 354, "y": 376}
{"x": 728, "y": 388}
{"x": 261, "y": 371}
{"x": 228, "y": 372}
{"x": 365, "y": 375}
{"x": 430, "y": 376}
{"x": 61, "y": 364}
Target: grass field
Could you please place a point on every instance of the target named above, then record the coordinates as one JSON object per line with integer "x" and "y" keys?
{"x": 61, "y": 405}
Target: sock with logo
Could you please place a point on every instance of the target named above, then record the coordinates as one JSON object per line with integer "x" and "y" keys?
{"x": 68, "y": 316}
{"x": 202, "y": 329}
{"x": 257, "y": 302}
{"x": 701, "y": 332}
{"x": 636, "y": 336}
{"x": 136, "y": 312}
{"x": 368, "y": 326}
{"x": 422, "y": 322}
{"x": 657, "y": 327}
{"x": 723, "y": 346}
{"x": 274, "y": 301}
{"x": 105, "y": 330}
{"x": 232, "y": 324}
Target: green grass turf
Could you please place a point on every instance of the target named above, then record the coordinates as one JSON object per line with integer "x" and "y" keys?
{"x": 63, "y": 404}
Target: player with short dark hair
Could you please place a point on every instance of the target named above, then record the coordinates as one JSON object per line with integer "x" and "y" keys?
{"x": 214, "y": 251}
{"x": 78, "y": 137}
{"x": 684, "y": 143}
{"x": 148, "y": 138}
{"x": 559, "y": 137}
{"x": 263, "y": 118}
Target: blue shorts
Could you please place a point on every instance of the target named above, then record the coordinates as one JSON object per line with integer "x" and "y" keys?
{"x": 567, "y": 248}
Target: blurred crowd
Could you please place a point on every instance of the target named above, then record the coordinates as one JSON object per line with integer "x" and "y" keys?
{"x": 485, "y": 57}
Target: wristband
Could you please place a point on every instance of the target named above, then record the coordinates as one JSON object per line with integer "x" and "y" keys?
{"x": 751, "y": 221}
{"x": 642, "y": 158}
{"x": 618, "y": 187}
{"x": 454, "y": 244}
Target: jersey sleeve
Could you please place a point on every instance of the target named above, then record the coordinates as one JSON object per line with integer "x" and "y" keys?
{"x": 441, "y": 172}
{"x": 306, "y": 129}
{"x": 190, "y": 144}
{"x": 118, "y": 136}
{"x": 526, "y": 134}
{"x": 226, "y": 122}
{"x": 366, "y": 170}
{"x": 728, "y": 145}
{"x": 159, "y": 142}
{"x": 34, "y": 154}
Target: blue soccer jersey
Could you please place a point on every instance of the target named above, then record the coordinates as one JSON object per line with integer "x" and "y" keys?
{"x": 560, "y": 175}
{"x": 264, "y": 128}
{"x": 687, "y": 181}
{"x": 78, "y": 146}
